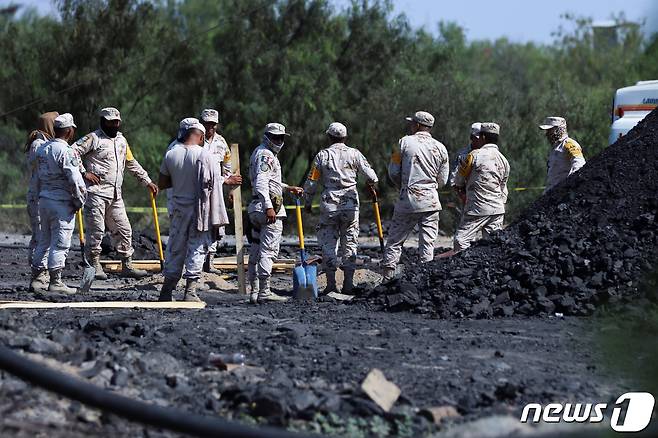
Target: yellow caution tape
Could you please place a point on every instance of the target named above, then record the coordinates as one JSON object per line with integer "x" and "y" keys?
{"x": 521, "y": 189}
{"x": 163, "y": 210}
{"x": 128, "y": 209}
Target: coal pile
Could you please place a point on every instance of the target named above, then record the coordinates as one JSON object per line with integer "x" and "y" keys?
{"x": 588, "y": 242}
{"x": 144, "y": 244}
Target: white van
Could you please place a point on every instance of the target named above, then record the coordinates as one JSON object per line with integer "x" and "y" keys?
{"x": 630, "y": 105}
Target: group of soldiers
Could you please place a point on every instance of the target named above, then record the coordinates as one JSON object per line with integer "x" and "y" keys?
{"x": 65, "y": 178}
{"x": 196, "y": 173}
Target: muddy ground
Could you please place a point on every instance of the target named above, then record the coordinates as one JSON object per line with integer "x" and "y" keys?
{"x": 304, "y": 362}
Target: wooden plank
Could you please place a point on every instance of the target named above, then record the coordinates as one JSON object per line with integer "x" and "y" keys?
{"x": 233, "y": 260}
{"x": 237, "y": 217}
{"x": 217, "y": 260}
{"x": 116, "y": 267}
{"x": 135, "y": 262}
{"x": 103, "y": 305}
{"x": 339, "y": 296}
{"x": 155, "y": 266}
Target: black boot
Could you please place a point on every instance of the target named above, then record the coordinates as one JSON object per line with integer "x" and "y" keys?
{"x": 331, "y": 283}
{"x": 208, "y": 267}
{"x": 167, "y": 289}
{"x": 348, "y": 281}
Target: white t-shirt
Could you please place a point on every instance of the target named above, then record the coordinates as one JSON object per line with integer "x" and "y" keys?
{"x": 181, "y": 165}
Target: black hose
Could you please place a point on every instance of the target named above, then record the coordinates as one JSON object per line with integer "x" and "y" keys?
{"x": 161, "y": 417}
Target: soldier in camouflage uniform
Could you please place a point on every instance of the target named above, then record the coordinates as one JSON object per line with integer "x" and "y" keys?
{"x": 106, "y": 154}
{"x": 566, "y": 155}
{"x": 214, "y": 143}
{"x": 61, "y": 193}
{"x": 482, "y": 178}
{"x": 336, "y": 168}
{"x": 462, "y": 153}
{"x": 266, "y": 211}
{"x": 420, "y": 168}
{"x": 43, "y": 133}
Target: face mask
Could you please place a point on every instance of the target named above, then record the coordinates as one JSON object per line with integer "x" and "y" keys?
{"x": 276, "y": 148}
{"x": 110, "y": 131}
{"x": 557, "y": 134}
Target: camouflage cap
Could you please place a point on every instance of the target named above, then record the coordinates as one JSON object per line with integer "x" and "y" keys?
{"x": 209, "y": 115}
{"x": 337, "y": 130}
{"x": 275, "y": 129}
{"x": 64, "y": 121}
{"x": 190, "y": 123}
{"x": 552, "y": 122}
{"x": 422, "y": 117}
{"x": 475, "y": 128}
{"x": 490, "y": 128}
{"x": 110, "y": 113}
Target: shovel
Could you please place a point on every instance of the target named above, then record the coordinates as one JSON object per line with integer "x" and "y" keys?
{"x": 90, "y": 272}
{"x": 304, "y": 276}
{"x": 156, "y": 223}
{"x": 378, "y": 220}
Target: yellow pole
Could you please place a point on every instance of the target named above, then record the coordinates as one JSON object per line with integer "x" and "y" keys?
{"x": 81, "y": 227}
{"x": 156, "y": 223}
{"x": 300, "y": 226}
{"x": 378, "y": 219}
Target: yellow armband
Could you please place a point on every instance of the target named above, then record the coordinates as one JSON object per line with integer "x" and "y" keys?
{"x": 573, "y": 148}
{"x": 314, "y": 175}
{"x": 466, "y": 166}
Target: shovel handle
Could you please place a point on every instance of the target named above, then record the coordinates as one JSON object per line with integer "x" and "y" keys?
{"x": 156, "y": 223}
{"x": 300, "y": 225}
{"x": 300, "y": 230}
{"x": 81, "y": 227}
{"x": 378, "y": 220}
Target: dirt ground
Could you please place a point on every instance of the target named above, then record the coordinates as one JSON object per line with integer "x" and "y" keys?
{"x": 304, "y": 362}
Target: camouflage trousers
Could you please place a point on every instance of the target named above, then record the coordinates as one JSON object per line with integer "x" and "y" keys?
{"x": 338, "y": 236}
{"x": 54, "y": 240}
{"x": 35, "y": 225}
{"x": 265, "y": 244}
{"x": 470, "y": 226}
{"x": 99, "y": 212}
{"x": 187, "y": 246}
{"x": 402, "y": 225}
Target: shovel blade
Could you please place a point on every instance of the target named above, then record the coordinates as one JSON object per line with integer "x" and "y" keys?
{"x": 87, "y": 278}
{"x": 312, "y": 279}
{"x": 304, "y": 283}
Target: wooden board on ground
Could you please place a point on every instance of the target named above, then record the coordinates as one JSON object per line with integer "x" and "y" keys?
{"x": 232, "y": 260}
{"x": 340, "y": 297}
{"x": 225, "y": 263}
{"x": 103, "y": 305}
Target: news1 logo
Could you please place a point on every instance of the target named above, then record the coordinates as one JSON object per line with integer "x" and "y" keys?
{"x": 639, "y": 407}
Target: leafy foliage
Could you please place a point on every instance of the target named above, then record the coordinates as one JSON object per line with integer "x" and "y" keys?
{"x": 305, "y": 64}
